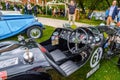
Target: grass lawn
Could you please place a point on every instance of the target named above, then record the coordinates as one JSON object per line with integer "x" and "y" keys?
{"x": 107, "y": 71}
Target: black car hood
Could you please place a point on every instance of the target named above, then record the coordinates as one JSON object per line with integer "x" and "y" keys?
{"x": 13, "y": 62}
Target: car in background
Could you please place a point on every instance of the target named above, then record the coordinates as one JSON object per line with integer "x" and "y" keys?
{"x": 98, "y": 15}
{"x": 15, "y": 23}
{"x": 10, "y": 12}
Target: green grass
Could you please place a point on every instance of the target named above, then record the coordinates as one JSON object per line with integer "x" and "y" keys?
{"x": 107, "y": 71}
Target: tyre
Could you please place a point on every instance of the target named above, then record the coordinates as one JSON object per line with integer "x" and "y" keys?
{"x": 34, "y": 32}
{"x": 32, "y": 76}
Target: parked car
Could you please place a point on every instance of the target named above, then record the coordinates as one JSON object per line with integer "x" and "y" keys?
{"x": 98, "y": 15}
{"x": 67, "y": 51}
{"x": 10, "y": 12}
{"x": 11, "y": 25}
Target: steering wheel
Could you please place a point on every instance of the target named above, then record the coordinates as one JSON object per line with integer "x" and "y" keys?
{"x": 79, "y": 38}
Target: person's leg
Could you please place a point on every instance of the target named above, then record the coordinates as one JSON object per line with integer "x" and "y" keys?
{"x": 30, "y": 12}
{"x": 111, "y": 20}
{"x": 27, "y": 11}
{"x": 69, "y": 18}
{"x": 36, "y": 13}
{"x": 24, "y": 11}
{"x": 107, "y": 21}
{"x": 73, "y": 19}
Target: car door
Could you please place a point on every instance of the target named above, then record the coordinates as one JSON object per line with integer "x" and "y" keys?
{"x": 4, "y": 29}
{"x": 17, "y": 23}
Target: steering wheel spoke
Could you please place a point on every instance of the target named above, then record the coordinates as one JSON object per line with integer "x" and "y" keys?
{"x": 75, "y": 50}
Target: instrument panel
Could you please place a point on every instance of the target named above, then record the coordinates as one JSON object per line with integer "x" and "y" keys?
{"x": 65, "y": 34}
{"x": 79, "y": 35}
{"x": 62, "y": 33}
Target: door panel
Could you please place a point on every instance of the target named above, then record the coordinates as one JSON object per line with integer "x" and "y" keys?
{"x": 4, "y": 29}
{"x": 16, "y": 25}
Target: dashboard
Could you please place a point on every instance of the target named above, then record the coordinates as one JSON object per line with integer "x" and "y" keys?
{"x": 70, "y": 35}
{"x": 62, "y": 33}
{"x": 83, "y": 35}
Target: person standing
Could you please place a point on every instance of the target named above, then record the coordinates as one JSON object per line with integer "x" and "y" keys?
{"x": 29, "y": 8}
{"x": 25, "y": 9}
{"x": 7, "y": 5}
{"x": 15, "y": 7}
{"x": 112, "y": 13}
{"x": 71, "y": 11}
{"x": 1, "y": 6}
{"x": 35, "y": 10}
{"x": 54, "y": 12}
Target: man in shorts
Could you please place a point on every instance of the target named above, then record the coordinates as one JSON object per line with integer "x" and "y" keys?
{"x": 71, "y": 11}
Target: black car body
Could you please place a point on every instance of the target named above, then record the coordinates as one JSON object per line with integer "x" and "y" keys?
{"x": 67, "y": 51}
{"x": 12, "y": 60}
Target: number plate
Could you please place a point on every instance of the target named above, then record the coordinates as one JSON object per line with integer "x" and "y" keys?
{"x": 9, "y": 62}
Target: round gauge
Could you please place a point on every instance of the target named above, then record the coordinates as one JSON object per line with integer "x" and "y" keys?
{"x": 97, "y": 39}
{"x": 90, "y": 37}
{"x": 82, "y": 37}
{"x": 69, "y": 32}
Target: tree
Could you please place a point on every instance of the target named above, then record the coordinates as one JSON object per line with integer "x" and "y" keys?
{"x": 81, "y": 4}
{"x": 118, "y": 2}
{"x": 108, "y": 2}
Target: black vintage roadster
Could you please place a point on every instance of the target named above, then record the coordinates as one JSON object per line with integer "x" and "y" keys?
{"x": 66, "y": 51}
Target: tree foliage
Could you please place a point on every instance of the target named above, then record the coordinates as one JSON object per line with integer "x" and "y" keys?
{"x": 97, "y": 4}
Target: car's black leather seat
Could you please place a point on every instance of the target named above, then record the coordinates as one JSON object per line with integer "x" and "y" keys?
{"x": 58, "y": 55}
{"x": 67, "y": 66}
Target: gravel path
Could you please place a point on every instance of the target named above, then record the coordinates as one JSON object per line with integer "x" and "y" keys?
{"x": 57, "y": 23}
